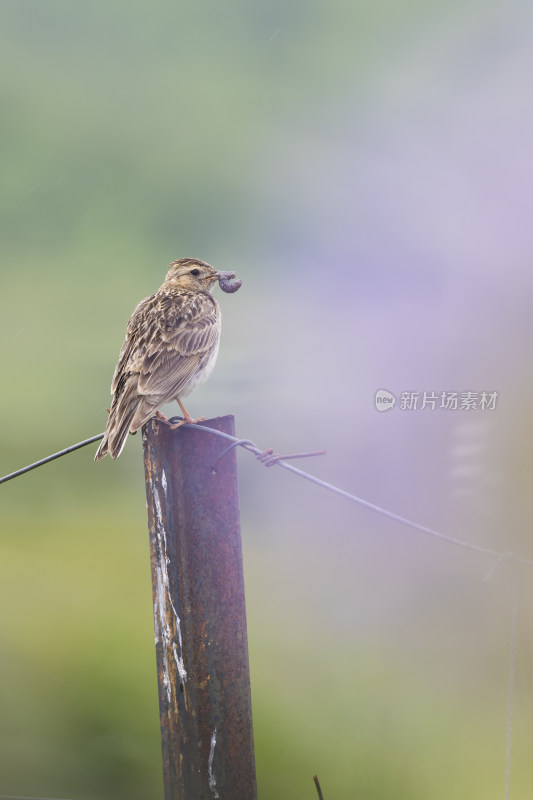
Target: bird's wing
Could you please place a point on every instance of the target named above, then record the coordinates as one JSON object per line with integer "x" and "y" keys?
{"x": 184, "y": 329}
{"x": 135, "y": 341}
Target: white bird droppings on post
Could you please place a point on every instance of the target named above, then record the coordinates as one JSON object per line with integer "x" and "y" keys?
{"x": 210, "y": 774}
{"x": 163, "y": 629}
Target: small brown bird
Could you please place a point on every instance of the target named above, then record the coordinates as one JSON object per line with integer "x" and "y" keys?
{"x": 170, "y": 349}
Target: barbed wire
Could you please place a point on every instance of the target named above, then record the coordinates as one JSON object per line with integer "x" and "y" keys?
{"x": 267, "y": 456}
{"x": 269, "y": 459}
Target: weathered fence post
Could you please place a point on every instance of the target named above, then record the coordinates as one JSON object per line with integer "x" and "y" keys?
{"x": 199, "y": 614}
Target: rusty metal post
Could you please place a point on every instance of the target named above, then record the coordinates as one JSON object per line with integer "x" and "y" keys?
{"x": 199, "y": 614}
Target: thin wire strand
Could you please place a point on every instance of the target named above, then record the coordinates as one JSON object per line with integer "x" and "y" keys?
{"x": 51, "y": 458}
{"x": 21, "y": 797}
{"x": 318, "y": 789}
{"x": 510, "y": 697}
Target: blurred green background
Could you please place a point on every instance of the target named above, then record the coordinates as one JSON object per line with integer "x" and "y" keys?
{"x": 366, "y": 169}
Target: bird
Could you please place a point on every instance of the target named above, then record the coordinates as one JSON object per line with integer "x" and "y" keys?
{"x": 170, "y": 349}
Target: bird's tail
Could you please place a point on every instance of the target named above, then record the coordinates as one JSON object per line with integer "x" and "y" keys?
{"x": 118, "y": 425}
{"x": 129, "y": 411}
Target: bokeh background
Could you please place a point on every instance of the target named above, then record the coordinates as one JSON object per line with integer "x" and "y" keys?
{"x": 366, "y": 168}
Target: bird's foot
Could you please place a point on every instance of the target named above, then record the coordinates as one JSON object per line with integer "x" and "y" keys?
{"x": 187, "y": 420}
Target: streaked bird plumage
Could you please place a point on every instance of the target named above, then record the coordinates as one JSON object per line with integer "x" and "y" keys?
{"x": 170, "y": 349}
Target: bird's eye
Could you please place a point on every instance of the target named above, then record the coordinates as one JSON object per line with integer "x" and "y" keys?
{"x": 195, "y": 272}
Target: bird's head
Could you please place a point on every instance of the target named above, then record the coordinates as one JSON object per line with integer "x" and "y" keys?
{"x": 191, "y": 273}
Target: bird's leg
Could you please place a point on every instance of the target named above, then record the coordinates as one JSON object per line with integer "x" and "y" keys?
{"x": 160, "y": 417}
{"x": 186, "y": 417}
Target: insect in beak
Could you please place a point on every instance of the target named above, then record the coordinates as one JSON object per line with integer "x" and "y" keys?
{"x": 228, "y": 282}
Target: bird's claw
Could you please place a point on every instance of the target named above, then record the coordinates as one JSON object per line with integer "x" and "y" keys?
{"x": 186, "y": 421}
{"x": 174, "y": 425}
